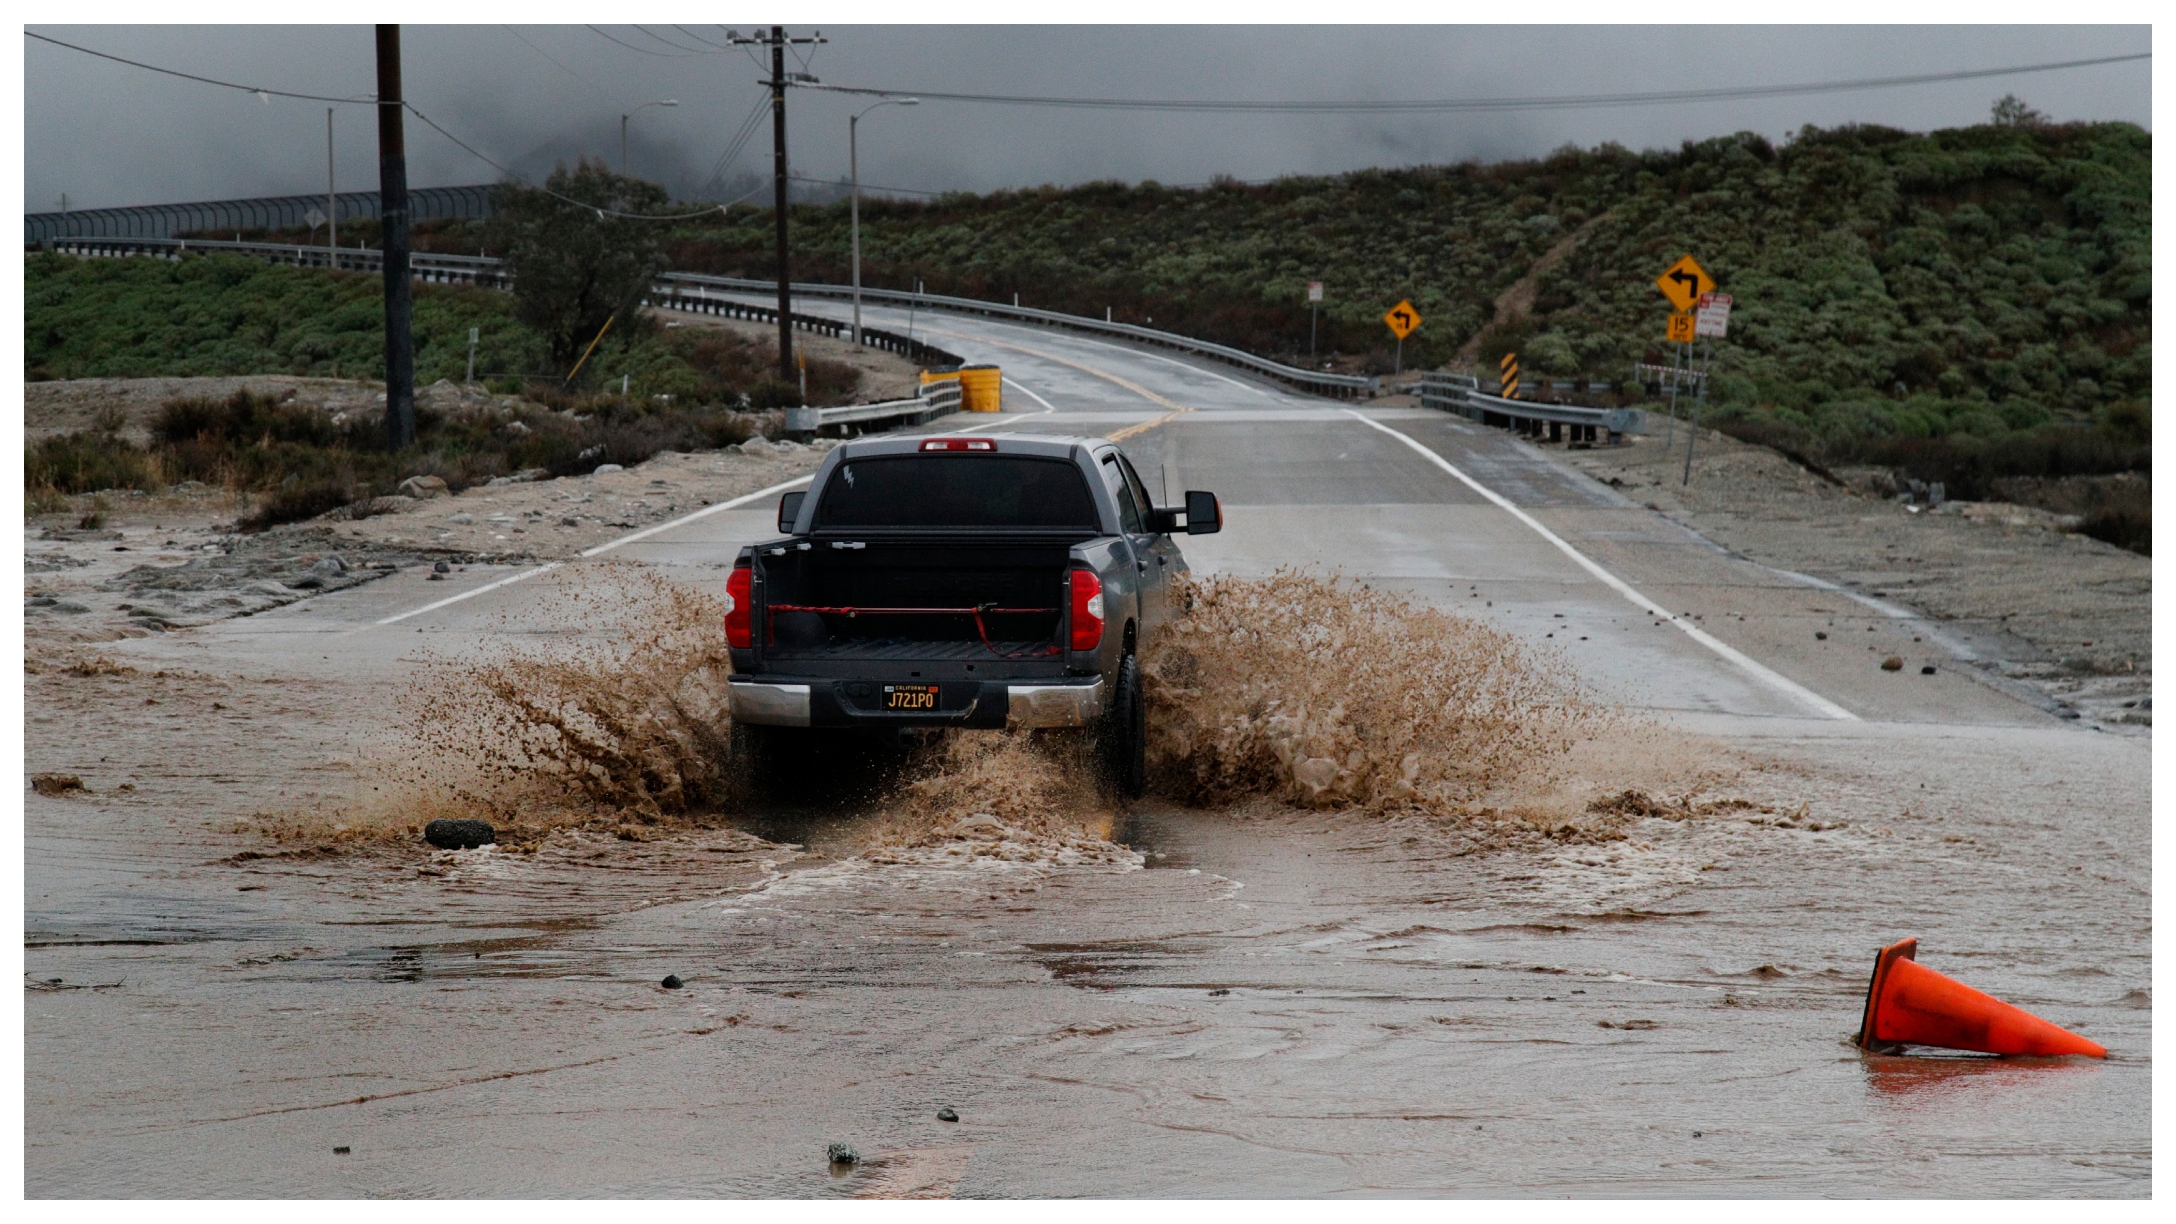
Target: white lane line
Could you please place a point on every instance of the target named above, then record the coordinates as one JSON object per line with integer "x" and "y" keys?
{"x": 1780, "y": 683}
{"x": 608, "y": 546}
{"x": 1187, "y": 366}
{"x": 1048, "y": 407}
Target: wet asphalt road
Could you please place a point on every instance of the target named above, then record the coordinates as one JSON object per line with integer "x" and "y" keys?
{"x": 1275, "y": 1006}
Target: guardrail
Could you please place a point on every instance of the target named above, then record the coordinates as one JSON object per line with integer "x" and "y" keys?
{"x": 891, "y": 342}
{"x": 1462, "y": 394}
{"x": 482, "y": 270}
{"x": 490, "y": 272}
{"x": 266, "y": 212}
{"x": 1320, "y": 382}
{"x": 937, "y": 399}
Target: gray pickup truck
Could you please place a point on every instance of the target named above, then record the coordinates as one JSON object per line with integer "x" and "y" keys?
{"x": 956, "y": 581}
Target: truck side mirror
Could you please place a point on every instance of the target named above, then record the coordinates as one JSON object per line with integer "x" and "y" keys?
{"x": 1204, "y": 514}
{"x": 789, "y": 509}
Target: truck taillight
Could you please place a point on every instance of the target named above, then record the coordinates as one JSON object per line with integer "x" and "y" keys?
{"x": 1087, "y": 610}
{"x": 739, "y": 603}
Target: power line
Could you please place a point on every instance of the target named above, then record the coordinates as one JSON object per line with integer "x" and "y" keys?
{"x": 190, "y": 76}
{"x": 411, "y": 108}
{"x": 1469, "y": 105}
{"x": 601, "y": 91}
{"x": 683, "y": 54}
{"x": 649, "y": 33}
{"x": 739, "y": 140}
{"x": 699, "y": 38}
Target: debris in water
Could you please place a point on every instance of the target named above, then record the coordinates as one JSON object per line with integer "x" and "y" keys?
{"x": 341, "y": 1150}
{"x": 57, "y": 784}
{"x": 459, "y": 834}
{"x": 947, "y": 1115}
{"x": 843, "y": 1154}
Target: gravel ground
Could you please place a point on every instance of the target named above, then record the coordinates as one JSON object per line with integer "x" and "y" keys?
{"x": 176, "y": 560}
{"x": 2068, "y": 615}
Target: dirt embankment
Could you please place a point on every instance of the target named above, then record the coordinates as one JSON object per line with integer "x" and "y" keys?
{"x": 2069, "y": 615}
{"x": 123, "y": 565}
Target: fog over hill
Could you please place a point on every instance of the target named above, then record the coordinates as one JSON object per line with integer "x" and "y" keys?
{"x": 106, "y": 134}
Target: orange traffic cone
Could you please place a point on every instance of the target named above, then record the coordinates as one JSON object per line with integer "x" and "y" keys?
{"x": 1908, "y": 1003}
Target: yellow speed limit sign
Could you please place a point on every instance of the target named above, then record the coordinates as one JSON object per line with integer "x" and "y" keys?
{"x": 1403, "y": 319}
{"x": 1681, "y": 328}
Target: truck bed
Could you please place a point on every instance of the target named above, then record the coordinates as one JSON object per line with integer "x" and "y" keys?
{"x": 915, "y": 599}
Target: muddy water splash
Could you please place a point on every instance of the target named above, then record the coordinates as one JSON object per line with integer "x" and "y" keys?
{"x": 1324, "y": 693}
{"x": 632, "y": 731}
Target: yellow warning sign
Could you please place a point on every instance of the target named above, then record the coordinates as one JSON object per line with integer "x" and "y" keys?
{"x": 1681, "y": 328}
{"x": 1403, "y": 320}
{"x": 1684, "y": 283}
{"x": 1510, "y": 367}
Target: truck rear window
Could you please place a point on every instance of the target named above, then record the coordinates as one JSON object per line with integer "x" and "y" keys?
{"x": 941, "y": 490}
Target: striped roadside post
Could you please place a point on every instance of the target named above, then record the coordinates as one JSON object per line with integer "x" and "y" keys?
{"x": 1510, "y": 366}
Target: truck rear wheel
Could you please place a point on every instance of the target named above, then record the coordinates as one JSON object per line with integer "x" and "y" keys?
{"x": 760, "y": 760}
{"x": 1123, "y": 739}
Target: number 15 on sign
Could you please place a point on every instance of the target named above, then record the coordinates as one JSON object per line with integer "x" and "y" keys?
{"x": 1681, "y": 328}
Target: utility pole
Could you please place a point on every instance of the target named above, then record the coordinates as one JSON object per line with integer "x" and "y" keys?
{"x": 777, "y": 41}
{"x": 778, "y": 196}
{"x": 332, "y": 202}
{"x": 400, "y": 352}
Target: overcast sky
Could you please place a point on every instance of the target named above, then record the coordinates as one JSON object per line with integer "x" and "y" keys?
{"x": 106, "y": 134}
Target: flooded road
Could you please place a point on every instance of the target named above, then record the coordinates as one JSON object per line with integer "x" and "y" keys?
{"x": 1280, "y": 1004}
{"x": 1242, "y": 1002}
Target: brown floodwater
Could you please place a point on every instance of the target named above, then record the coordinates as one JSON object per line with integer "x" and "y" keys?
{"x": 1254, "y": 1002}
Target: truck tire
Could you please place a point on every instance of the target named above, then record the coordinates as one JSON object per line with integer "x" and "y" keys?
{"x": 1123, "y": 738}
{"x": 757, "y": 761}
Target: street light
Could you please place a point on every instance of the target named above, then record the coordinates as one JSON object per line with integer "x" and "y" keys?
{"x": 853, "y": 168}
{"x": 623, "y": 130}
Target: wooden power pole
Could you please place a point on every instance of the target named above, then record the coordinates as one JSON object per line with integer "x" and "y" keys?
{"x": 400, "y": 350}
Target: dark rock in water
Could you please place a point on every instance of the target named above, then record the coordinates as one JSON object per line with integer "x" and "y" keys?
{"x": 342, "y": 1150}
{"x": 441, "y": 568}
{"x": 1819, "y": 636}
{"x": 947, "y": 1115}
{"x": 1928, "y": 670}
{"x": 672, "y": 982}
{"x": 459, "y": 834}
{"x": 843, "y": 1154}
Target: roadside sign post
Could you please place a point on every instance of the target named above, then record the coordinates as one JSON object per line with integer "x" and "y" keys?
{"x": 1692, "y": 296}
{"x": 1403, "y": 321}
{"x": 472, "y": 334}
{"x": 1508, "y": 371}
{"x": 1314, "y": 301}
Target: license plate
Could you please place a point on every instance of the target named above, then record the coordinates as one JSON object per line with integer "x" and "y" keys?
{"x": 910, "y": 696}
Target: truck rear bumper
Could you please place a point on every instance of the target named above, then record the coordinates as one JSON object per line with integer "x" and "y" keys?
{"x": 829, "y": 703}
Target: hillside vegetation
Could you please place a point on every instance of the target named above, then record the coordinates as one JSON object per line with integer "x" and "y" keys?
{"x": 1978, "y": 280}
{"x": 225, "y": 314}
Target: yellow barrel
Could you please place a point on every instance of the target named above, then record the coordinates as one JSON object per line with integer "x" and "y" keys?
{"x": 981, "y": 388}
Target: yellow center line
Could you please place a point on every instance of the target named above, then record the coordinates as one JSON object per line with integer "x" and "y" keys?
{"x": 1116, "y": 435}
